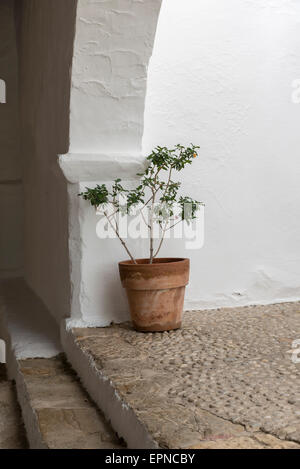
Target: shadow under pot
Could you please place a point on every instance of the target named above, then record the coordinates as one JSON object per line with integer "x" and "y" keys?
{"x": 155, "y": 292}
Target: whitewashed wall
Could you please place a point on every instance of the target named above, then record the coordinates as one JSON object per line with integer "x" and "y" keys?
{"x": 221, "y": 76}
{"x": 113, "y": 43}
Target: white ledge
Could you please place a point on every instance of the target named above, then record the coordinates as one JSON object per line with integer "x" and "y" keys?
{"x": 78, "y": 167}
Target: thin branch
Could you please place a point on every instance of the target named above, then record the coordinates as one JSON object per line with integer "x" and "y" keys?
{"x": 164, "y": 230}
{"x": 143, "y": 217}
{"x": 154, "y": 192}
{"x": 175, "y": 224}
{"x": 122, "y": 241}
{"x": 162, "y": 240}
{"x": 151, "y": 230}
{"x": 163, "y": 237}
{"x": 145, "y": 205}
{"x": 112, "y": 214}
{"x": 169, "y": 180}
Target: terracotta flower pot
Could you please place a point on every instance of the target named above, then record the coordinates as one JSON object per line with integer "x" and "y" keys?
{"x": 155, "y": 292}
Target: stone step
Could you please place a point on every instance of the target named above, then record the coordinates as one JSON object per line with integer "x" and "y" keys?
{"x": 225, "y": 380}
{"x": 56, "y": 410}
{"x": 12, "y": 431}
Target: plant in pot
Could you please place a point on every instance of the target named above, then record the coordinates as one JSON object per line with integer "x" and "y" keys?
{"x": 155, "y": 286}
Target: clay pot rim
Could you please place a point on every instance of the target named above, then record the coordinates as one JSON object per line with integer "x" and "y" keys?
{"x": 156, "y": 263}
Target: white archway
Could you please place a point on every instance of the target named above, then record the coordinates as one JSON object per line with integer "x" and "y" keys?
{"x": 105, "y": 119}
{"x": 112, "y": 50}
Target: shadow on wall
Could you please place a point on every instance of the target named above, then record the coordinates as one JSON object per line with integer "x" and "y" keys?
{"x": 45, "y": 35}
{"x": 11, "y": 197}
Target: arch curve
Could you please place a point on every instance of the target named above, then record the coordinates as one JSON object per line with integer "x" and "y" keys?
{"x": 113, "y": 45}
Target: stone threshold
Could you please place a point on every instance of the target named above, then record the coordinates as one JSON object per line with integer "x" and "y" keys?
{"x": 56, "y": 410}
{"x": 225, "y": 380}
{"x": 58, "y": 413}
{"x": 12, "y": 431}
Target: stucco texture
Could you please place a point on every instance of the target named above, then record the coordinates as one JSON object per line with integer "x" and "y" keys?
{"x": 113, "y": 44}
{"x": 221, "y": 76}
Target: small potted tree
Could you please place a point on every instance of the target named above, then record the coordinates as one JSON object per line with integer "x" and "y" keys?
{"x": 155, "y": 286}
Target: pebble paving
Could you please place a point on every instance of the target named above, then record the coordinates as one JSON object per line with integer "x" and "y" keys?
{"x": 228, "y": 378}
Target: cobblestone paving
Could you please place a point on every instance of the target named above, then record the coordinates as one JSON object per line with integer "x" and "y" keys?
{"x": 226, "y": 379}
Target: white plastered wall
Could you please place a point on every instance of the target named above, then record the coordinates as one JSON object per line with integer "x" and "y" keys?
{"x": 221, "y": 76}
{"x": 236, "y": 105}
{"x": 113, "y": 44}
